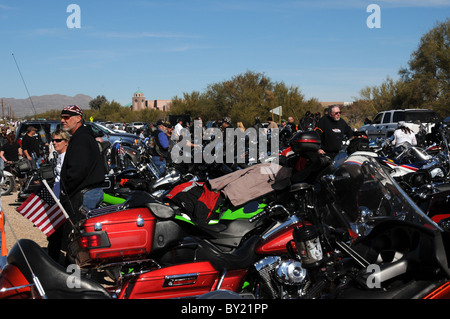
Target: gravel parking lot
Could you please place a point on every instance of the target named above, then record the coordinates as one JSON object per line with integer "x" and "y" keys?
{"x": 21, "y": 226}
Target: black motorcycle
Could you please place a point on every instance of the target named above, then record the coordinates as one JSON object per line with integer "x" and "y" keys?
{"x": 32, "y": 175}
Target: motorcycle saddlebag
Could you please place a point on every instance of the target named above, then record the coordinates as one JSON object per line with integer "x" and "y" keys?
{"x": 48, "y": 172}
{"x": 308, "y": 141}
{"x": 24, "y": 165}
{"x": 187, "y": 280}
{"x": 113, "y": 234}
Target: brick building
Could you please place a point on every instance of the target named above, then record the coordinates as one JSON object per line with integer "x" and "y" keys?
{"x": 139, "y": 102}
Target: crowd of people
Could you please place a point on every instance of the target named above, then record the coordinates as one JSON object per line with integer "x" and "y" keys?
{"x": 80, "y": 168}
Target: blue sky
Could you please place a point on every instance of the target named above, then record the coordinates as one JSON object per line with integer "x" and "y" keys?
{"x": 166, "y": 48}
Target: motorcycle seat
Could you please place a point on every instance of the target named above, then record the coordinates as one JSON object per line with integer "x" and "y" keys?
{"x": 53, "y": 277}
{"x": 143, "y": 199}
{"x": 243, "y": 257}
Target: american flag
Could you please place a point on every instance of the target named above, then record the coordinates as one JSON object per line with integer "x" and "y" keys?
{"x": 41, "y": 209}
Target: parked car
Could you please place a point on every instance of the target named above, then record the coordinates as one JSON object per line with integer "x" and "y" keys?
{"x": 135, "y": 126}
{"x": 46, "y": 127}
{"x": 112, "y": 136}
{"x": 385, "y": 123}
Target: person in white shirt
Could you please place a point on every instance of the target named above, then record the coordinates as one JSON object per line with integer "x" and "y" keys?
{"x": 176, "y": 133}
{"x": 60, "y": 141}
{"x": 403, "y": 134}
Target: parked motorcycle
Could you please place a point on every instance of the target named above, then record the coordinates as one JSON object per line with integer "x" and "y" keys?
{"x": 140, "y": 241}
{"x": 30, "y": 174}
{"x": 7, "y": 182}
{"x": 355, "y": 234}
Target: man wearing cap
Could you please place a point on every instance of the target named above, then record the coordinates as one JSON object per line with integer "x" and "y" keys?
{"x": 83, "y": 170}
{"x": 30, "y": 144}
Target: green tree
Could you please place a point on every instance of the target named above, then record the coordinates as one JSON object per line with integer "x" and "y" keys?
{"x": 95, "y": 104}
{"x": 428, "y": 74}
{"x": 108, "y": 109}
{"x": 242, "y": 98}
{"x": 424, "y": 84}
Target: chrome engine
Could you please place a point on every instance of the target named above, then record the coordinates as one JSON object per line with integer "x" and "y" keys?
{"x": 281, "y": 278}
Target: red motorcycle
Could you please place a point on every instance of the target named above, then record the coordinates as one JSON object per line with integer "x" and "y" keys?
{"x": 364, "y": 238}
{"x": 145, "y": 253}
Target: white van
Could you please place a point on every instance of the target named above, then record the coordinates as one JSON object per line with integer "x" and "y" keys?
{"x": 385, "y": 123}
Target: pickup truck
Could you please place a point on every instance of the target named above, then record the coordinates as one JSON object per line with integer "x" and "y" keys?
{"x": 385, "y": 123}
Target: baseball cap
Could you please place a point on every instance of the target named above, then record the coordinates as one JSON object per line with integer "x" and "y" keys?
{"x": 72, "y": 110}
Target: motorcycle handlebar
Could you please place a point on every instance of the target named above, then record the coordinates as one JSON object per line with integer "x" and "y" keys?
{"x": 268, "y": 211}
{"x": 258, "y": 216}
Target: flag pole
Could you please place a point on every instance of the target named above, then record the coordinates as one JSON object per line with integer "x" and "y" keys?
{"x": 57, "y": 201}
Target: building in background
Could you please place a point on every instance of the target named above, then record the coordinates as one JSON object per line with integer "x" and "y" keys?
{"x": 139, "y": 102}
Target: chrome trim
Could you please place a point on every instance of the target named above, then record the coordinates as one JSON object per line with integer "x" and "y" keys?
{"x": 140, "y": 222}
{"x": 104, "y": 210}
{"x": 16, "y": 288}
{"x": 292, "y": 220}
{"x": 267, "y": 261}
{"x": 222, "y": 277}
{"x": 180, "y": 280}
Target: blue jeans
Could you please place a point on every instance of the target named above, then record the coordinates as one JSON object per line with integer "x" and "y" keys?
{"x": 3, "y": 262}
{"x": 160, "y": 164}
{"x": 93, "y": 198}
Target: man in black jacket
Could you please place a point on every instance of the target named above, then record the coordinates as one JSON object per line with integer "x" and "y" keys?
{"x": 83, "y": 170}
{"x": 332, "y": 129}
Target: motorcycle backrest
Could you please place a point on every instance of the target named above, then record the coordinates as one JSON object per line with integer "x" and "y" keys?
{"x": 139, "y": 199}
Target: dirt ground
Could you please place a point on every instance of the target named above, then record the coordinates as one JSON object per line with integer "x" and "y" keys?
{"x": 21, "y": 227}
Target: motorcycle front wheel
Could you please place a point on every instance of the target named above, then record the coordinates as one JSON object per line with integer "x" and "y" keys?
{"x": 6, "y": 185}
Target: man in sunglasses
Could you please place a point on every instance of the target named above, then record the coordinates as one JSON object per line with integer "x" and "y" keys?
{"x": 83, "y": 170}
{"x": 332, "y": 129}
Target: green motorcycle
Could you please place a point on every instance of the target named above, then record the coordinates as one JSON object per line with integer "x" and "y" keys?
{"x": 223, "y": 212}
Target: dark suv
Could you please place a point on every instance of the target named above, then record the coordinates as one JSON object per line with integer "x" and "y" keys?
{"x": 46, "y": 127}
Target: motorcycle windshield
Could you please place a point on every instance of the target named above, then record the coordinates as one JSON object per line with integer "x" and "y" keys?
{"x": 365, "y": 194}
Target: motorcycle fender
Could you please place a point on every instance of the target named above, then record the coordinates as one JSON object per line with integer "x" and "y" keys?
{"x": 179, "y": 281}
{"x": 11, "y": 277}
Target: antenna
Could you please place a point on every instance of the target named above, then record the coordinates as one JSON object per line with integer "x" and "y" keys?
{"x": 29, "y": 96}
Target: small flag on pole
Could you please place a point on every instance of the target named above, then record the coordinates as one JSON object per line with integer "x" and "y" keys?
{"x": 42, "y": 209}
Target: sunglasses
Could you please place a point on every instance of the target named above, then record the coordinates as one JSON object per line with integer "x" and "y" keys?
{"x": 57, "y": 140}
{"x": 65, "y": 117}
{"x": 337, "y": 113}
